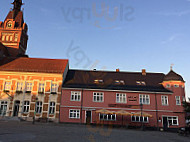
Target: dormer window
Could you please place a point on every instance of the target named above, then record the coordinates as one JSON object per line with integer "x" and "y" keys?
{"x": 98, "y": 81}
{"x": 176, "y": 85}
{"x": 143, "y": 83}
{"x": 168, "y": 86}
{"x": 119, "y": 82}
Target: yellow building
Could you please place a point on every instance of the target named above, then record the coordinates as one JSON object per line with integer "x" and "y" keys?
{"x": 31, "y": 86}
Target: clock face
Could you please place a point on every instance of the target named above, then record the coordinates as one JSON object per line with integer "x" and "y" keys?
{"x": 9, "y": 24}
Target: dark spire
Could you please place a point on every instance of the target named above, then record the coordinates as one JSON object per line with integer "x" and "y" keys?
{"x": 17, "y": 5}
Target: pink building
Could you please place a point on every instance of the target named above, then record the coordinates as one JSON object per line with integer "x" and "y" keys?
{"x": 98, "y": 96}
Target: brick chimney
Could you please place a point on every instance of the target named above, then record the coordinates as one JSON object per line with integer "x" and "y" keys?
{"x": 144, "y": 72}
{"x": 117, "y": 70}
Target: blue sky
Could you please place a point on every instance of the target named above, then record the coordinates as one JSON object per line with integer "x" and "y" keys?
{"x": 130, "y": 35}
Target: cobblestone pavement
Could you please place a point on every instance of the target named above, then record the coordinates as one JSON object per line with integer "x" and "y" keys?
{"x": 47, "y": 132}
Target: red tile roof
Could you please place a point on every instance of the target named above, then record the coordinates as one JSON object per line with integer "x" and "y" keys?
{"x": 24, "y": 64}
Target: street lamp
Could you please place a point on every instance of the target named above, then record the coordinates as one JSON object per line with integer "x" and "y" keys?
{"x": 33, "y": 122}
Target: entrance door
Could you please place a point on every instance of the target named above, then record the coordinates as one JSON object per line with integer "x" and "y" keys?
{"x": 16, "y": 108}
{"x": 88, "y": 117}
{"x": 165, "y": 123}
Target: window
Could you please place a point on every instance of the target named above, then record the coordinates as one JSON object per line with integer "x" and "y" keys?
{"x": 141, "y": 83}
{"x": 7, "y": 86}
{"x": 52, "y": 108}
{"x": 178, "y": 101}
{"x": 164, "y": 100}
{"x": 119, "y": 82}
{"x": 3, "y": 108}
{"x": 38, "y": 107}
{"x": 98, "y": 97}
{"x": 41, "y": 88}
{"x": 26, "y": 106}
{"x": 98, "y": 81}
{"x": 16, "y": 37}
{"x": 74, "y": 114}
{"x": 11, "y": 38}
{"x": 176, "y": 85}
{"x": 54, "y": 88}
{"x": 19, "y": 86}
{"x": 3, "y": 38}
{"x": 29, "y": 86}
{"x": 172, "y": 121}
{"x": 7, "y": 38}
{"x": 139, "y": 119}
{"x": 144, "y": 99}
{"x": 121, "y": 98}
{"x": 75, "y": 96}
{"x": 108, "y": 117}
{"x": 168, "y": 86}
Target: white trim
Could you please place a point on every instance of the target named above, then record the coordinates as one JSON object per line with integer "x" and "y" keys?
{"x": 115, "y": 108}
{"x": 117, "y": 91}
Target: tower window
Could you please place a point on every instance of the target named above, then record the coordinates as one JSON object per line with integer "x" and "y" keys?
{"x": 3, "y": 38}
{"x": 176, "y": 85}
{"x": 7, "y": 38}
{"x": 16, "y": 37}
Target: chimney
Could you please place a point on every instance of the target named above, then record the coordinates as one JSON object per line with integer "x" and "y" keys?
{"x": 144, "y": 72}
{"x": 117, "y": 70}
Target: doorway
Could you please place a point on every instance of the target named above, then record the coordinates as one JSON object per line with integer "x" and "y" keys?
{"x": 88, "y": 117}
{"x": 16, "y": 108}
{"x": 165, "y": 123}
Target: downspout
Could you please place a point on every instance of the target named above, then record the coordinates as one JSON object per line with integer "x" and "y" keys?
{"x": 81, "y": 106}
{"x": 156, "y": 111}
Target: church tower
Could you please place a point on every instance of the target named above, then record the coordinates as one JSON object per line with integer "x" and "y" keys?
{"x": 13, "y": 31}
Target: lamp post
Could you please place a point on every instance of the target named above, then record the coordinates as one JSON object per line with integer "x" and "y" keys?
{"x": 33, "y": 122}
{"x": 141, "y": 118}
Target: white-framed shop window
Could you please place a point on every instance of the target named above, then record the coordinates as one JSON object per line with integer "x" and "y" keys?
{"x": 3, "y": 108}
{"x": 74, "y": 113}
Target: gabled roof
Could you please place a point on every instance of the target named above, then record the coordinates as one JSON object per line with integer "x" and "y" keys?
{"x": 85, "y": 79}
{"x": 173, "y": 76}
{"x": 24, "y": 64}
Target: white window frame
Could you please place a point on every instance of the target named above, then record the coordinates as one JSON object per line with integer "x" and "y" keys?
{"x": 177, "y": 98}
{"x": 96, "y": 95}
{"x": 172, "y": 120}
{"x": 52, "y": 108}
{"x": 76, "y": 96}
{"x": 107, "y": 117}
{"x": 164, "y": 98}
{"x": 19, "y": 86}
{"x": 29, "y": 86}
{"x": 39, "y": 107}
{"x": 41, "y": 87}
{"x": 54, "y": 87}
{"x": 75, "y": 113}
{"x": 121, "y": 98}
{"x": 3, "y": 108}
{"x": 139, "y": 117}
{"x": 26, "y": 107}
{"x": 7, "y": 86}
{"x": 143, "y": 99}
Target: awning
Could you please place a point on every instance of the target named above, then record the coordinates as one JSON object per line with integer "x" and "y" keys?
{"x": 144, "y": 114}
